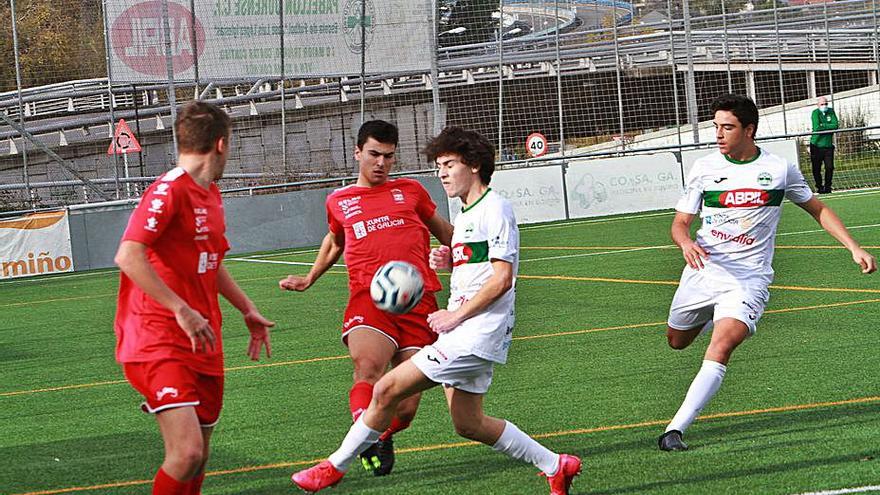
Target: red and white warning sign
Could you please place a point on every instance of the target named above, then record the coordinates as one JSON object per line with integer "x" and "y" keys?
{"x": 536, "y": 144}
{"x": 124, "y": 141}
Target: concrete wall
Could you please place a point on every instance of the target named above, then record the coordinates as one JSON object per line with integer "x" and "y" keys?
{"x": 255, "y": 223}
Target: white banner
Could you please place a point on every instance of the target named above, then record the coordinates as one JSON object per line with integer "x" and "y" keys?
{"x": 35, "y": 244}
{"x": 786, "y": 148}
{"x": 241, "y": 38}
{"x": 536, "y": 194}
{"x": 628, "y": 184}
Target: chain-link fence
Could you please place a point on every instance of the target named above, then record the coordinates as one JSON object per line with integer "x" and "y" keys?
{"x": 298, "y": 77}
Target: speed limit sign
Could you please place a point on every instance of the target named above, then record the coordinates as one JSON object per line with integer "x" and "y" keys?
{"x": 536, "y": 144}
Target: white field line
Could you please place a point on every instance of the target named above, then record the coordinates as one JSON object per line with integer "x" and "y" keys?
{"x": 564, "y": 256}
{"x": 843, "y": 491}
{"x": 282, "y": 253}
{"x": 582, "y": 255}
{"x": 536, "y": 227}
{"x": 596, "y": 220}
{"x": 854, "y": 227}
{"x": 56, "y": 277}
{"x": 277, "y": 262}
{"x": 564, "y": 224}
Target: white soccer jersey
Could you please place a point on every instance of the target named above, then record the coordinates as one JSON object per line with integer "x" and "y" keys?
{"x": 484, "y": 231}
{"x": 740, "y": 206}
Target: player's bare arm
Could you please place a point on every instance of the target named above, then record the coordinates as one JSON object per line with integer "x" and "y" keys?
{"x": 256, "y": 323}
{"x": 496, "y": 286}
{"x": 440, "y": 228}
{"x": 681, "y": 236}
{"x": 331, "y": 249}
{"x": 131, "y": 258}
{"x": 832, "y": 224}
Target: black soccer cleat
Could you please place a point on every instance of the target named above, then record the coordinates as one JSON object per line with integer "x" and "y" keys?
{"x": 370, "y": 458}
{"x": 385, "y": 453}
{"x": 671, "y": 441}
{"x": 379, "y": 457}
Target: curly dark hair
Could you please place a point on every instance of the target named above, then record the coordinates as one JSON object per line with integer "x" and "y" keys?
{"x": 742, "y": 107}
{"x": 475, "y": 150}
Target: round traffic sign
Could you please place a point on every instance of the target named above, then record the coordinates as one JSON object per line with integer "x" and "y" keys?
{"x": 536, "y": 144}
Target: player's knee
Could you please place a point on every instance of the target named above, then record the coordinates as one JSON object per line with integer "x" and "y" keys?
{"x": 367, "y": 369}
{"x": 189, "y": 458}
{"x": 385, "y": 395}
{"x": 675, "y": 340}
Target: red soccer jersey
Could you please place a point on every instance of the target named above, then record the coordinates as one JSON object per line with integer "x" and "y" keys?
{"x": 182, "y": 224}
{"x": 381, "y": 224}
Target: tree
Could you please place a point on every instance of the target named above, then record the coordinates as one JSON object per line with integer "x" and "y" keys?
{"x": 57, "y": 41}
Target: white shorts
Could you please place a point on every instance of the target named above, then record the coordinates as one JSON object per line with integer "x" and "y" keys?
{"x": 451, "y": 368}
{"x": 700, "y": 299}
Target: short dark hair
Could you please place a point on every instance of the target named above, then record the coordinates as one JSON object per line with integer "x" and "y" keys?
{"x": 199, "y": 126}
{"x": 381, "y": 131}
{"x": 742, "y": 107}
{"x": 475, "y": 150}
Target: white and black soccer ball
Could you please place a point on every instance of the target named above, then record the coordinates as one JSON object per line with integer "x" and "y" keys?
{"x": 397, "y": 287}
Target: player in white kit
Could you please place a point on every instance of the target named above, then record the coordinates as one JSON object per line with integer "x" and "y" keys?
{"x": 738, "y": 192}
{"x": 475, "y": 330}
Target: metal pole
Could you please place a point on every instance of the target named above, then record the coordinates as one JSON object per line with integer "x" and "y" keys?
{"x": 559, "y": 87}
{"x": 194, "y": 44}
{"x": 876, "y": 51}
{"x": 828, "y": 53}
{"x": 674, "y": 72}
{"x": 690, "y": 88}
{"x": 500, "y": 75}
{"x": 112, "y": 124}
{"x": 779, "y": 65}
{"x": 617, "y": 74}
{"x": 137, "y": 123}
{"x": 363, "y": 59}
{"x": 27, "y": 180}
{"x": 283, "y": 101}
{"x": 726, "y": 47}
{"x": 435, "y": 70}
{"x": 169, "y": 68}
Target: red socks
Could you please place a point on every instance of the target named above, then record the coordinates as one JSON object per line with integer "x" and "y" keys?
{"x": 359, "y": 399}
{"x": 164, "y": 484}
{"x": 194, "y": 487}
{"x": 396, "y": 425}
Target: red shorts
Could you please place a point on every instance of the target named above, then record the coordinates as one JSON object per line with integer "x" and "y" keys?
{"x": 406, "y": 331}
{"x": 170, "y": 383}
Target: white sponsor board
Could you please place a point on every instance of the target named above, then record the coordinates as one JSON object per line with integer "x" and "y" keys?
{"x": 628, "y": 184}
{"x": 241, "y": 38}
{"x": 35, "y": 244}
{"x": 536, "y": 194}
{"x": 786, "y": 148}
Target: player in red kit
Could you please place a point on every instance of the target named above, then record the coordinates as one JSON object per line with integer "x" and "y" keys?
{"x": 168, "y": 319}
{"x": 374, "y": 221}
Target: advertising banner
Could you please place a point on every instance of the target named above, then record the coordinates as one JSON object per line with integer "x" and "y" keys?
{"x": 35, "y": 244}
{"x": 628, "y": 184}
{"x": 242, "y": 38}
{"x": 536, "y": 194}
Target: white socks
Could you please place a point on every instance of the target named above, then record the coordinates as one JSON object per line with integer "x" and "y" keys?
{"x": 358, "y": 439}
{"x": 702, "y": 389}
{"x": 518, "y": 445}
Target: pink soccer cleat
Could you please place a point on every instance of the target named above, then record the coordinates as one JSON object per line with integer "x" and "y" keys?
{"x": 569, "y": 467}
{"x": 324, "y": 475}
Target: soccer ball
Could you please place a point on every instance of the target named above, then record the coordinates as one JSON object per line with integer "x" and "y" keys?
{"x": 397, "y": 287}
